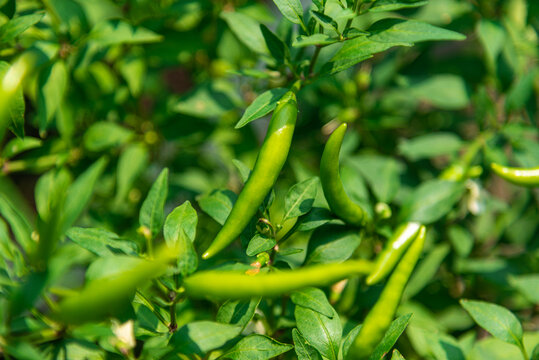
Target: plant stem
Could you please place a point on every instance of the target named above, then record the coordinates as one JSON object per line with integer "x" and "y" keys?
{"x": 523, "y": 351}
{"x": 314, "y": 59}
{"x": 173, "y": 324}
{"x": 349, "y": 22}
{"x": 150, "y": 306}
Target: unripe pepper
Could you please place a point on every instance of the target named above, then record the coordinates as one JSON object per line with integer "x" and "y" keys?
{"x": 334, "y": 192}
{"x": 518, "y": 176}
{"x": 238, "y": 285}
{"x": 395, "y": 247}
{"x": 269, "y": 163}
{"x": 379, "y": 318}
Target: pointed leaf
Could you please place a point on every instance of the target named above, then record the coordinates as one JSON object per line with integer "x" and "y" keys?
{"x": 300, "y": 198}
{"x": 320, "y": 331}
{"x": 314, "y": 299}
{"x": 495, "y": 319}
{"x": 80, "y": 192}
{"x": 101, "y": 242}
{"x": 256, "y": 347}
{"x": 200, "y": 337}
{"x": 291, "y": 10}
{"x": 303, "y": 349}
{"x": 261, "y": 106}
{"x": 152, "y": 211}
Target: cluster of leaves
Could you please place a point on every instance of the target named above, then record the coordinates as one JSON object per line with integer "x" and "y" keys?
{"x": 146, "y": 109}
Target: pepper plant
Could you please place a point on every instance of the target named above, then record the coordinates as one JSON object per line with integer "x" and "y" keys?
{"x": 241, "y": 179}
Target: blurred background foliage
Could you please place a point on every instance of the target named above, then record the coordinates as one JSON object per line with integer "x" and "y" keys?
{"x": 152, "y": 84}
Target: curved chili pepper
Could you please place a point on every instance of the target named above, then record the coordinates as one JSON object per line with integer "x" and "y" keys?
{"x": 379, "y": 318}
{"x": 237, "y": 285}
{"x": 336, "y": 196}
{"x": 518, "y": 176}
{"x": 269, "y": 163}
{"x": 395, "y": 247}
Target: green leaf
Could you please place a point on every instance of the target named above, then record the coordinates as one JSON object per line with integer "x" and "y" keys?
{"x": 247, "y": 30}
{"x": 243, "y": 170}
{"x": 208, "y": 100}
{"x": 52, "y": 84}
{"x": 237, "y": 312}
{"x": 101, "y": 242}
{"x": 113, "y": 32}
{"x": 325, "y": 21}
{"x": 200, "y": 337}
{"x": 391, "y": 336}
{"x": 18, "y": 222}
{"x": 291, "y": 10}
{"x": 426, "y": 270}
{"x": 152, "y": 211}
{"x": 446, "y": 91}
{"x": 444, "y": 347}
{"x": 16, "y": 105}
{"x": 322, "y": 332}
{"x": 495, "y": 319}
{"x": 535, "y": 353}
{"x": 276, "y": 46}
{"x": 430, "y": 145}
{"x": 179, "y": 232}
{"x": 80, "y": 192}
{"x": 386, "y": 34}
{"x": 353, "y": 52}
{"x": 217, "y": 204}
{"x": 182, "y": 218}
{"x": 314, "y": 219}
{"x": 431, "y": 200}
{"x": 393, "y": 5}
{"x": 381, "y": 173}
{"x": 133, "y": 160}
{"x": 314, "y": 299}
{"x": 133, "y": 69}
{"x": 407, "y": 32}
{"x": 23, "y": 351}
{"x": 521, "y": 91}
{"x": 17, "y": 109}
{"x": 18, "y": 145}
{"x": 103, "y": 135}
{"x": 26, "y": 294}
{"x": 332, "y": 243}
{"x": 256, "y": 347}
{"x": 492, "y": 38}
{"x": 50, "y": 194}
{"x": 8, "y": 7}
{"x": 13, "y": 28}
{"x": 300, "y": 198}
{"x": 259, "y": 243}
{"x": 261, "y": 106}
{"x": 348, "y": 341}
{"x": 315, "y": 39}
{"x": 303, "y": 349}
{"x": 397, "y": 355}
{"x": 461, "y": 239}
{"x": 527, "y": 285}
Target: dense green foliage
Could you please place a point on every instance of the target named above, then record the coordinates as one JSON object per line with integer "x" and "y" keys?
{"x": 129, "y": 127}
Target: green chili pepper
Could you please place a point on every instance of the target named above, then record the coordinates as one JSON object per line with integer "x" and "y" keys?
{"x": 395, "y": 247}
{"x": 108, "y": 296}
{"x": 379, "y": 318}
{"x": 338, "y": 200}
{"x": 268, "y": 165}
{"x": 237, "y": 285}
{"x": 518, "y": 176}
